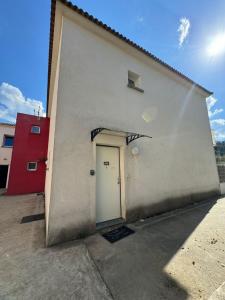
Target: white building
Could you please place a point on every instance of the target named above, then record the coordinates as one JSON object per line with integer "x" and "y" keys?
{"x": 104, "y": 92}
{"x": 6, "y": 139}
{"x": 213, "y": 137}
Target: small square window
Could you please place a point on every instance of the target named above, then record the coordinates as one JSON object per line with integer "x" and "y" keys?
{"x": 134, "y": 81}
{"x": 8, "y": 141}
{"x": 32, "y": 166}
{"x": 35, "y": 129}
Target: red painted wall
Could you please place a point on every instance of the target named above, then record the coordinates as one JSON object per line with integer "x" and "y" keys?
{"x": 28, "y": 147}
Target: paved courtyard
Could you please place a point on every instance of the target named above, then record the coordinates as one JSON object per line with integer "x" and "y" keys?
{"x": 179, "y": 255}
{"x": 30, "y": 271}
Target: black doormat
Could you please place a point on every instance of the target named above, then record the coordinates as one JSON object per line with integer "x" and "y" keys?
{"x": 32, "y": 218}
{"x": 117, "y": 234}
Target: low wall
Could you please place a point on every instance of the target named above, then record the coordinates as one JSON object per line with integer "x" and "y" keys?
{"x": 222, "y": 188}
{"x": 221, "y": 173}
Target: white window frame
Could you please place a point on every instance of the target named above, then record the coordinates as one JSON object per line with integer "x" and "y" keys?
{"x": 36, "y": 126}
{"x": 32, "y": 162}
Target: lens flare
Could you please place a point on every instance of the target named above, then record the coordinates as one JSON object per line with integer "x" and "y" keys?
{"x": 217, "y": 45}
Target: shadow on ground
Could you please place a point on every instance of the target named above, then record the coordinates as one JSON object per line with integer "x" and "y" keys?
{"x": 179, "y": 256}
{"x": 134, "y": 268}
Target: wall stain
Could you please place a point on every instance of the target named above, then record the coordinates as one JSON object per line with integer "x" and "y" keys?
{"x": 165, "y": 205}
{"x": 80, "y": 231}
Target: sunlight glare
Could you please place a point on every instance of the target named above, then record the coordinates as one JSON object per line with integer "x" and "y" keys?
{"x": 217, "y": 45}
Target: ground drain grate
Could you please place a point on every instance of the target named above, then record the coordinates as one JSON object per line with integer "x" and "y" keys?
{"x": 117, "y": 234}
{"x": 32, "y": 218}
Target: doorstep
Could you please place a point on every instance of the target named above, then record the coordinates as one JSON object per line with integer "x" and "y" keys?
{"x": 110, "y": 223}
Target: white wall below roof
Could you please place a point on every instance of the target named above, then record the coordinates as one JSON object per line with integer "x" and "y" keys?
{"x": 53, "y": 109}
{"x": 5, "y": 153}
{"x": 173, "y": 168}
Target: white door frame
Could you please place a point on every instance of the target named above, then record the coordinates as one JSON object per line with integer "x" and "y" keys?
{"x": 119, "y": 142}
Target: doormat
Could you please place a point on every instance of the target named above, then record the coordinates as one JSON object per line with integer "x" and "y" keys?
{"x": 117, "y": 234}
{"x": 32, "y": 218}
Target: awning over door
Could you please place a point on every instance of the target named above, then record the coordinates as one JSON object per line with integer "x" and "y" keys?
{"x": 129, "y": 136}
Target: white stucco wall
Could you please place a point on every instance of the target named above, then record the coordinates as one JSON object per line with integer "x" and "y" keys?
{"x": 173, "y": 168}
{"x": 5, "y": 153}
{"x": 53, "y": 92}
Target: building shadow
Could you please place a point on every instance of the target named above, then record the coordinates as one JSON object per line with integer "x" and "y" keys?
{"x": 133, "y": 268}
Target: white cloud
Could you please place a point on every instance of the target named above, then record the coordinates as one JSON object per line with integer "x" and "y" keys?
{"x": 12, "y": 101}
{"x": 219, "y": 135}
{"x": 220, "y": 122}
{"x": 215, "y": 112}
{"x": 183, "y": 30}
{"x": 211, "y": 101}
{"x": 217, "y": 125}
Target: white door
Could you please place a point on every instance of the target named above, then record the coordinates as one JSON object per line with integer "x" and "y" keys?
{"x": 107, "y": 184}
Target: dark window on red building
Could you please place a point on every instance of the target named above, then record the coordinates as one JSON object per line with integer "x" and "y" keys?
{"x": 32, "y": 166}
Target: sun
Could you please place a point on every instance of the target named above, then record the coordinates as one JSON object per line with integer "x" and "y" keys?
{"x": 217, "y": 45}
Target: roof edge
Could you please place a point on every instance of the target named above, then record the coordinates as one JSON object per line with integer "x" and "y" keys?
{"x": 116, "y": 34}
{"x": 51, "y": 34}
{"x": 7, "y": 124}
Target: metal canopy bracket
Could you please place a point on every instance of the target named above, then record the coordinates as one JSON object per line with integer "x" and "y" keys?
{"x": 130, "y": 138}
{"x": 95, "y": 132}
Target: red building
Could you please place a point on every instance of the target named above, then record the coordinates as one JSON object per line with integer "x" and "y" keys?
{"x": 28, "y": 164}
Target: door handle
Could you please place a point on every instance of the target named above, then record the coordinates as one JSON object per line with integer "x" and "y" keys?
{"x": 118, "y": 180}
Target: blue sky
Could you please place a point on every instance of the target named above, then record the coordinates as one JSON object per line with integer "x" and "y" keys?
{"x": 24, "y": 33}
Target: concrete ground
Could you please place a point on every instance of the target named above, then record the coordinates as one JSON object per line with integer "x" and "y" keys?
{"x": 30, "y": 271}
{"x": 179, "y": 255}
